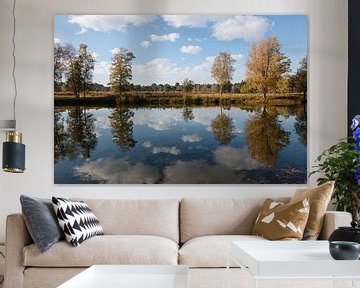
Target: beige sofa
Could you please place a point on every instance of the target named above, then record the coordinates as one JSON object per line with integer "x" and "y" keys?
{"x": 194, "y": 232}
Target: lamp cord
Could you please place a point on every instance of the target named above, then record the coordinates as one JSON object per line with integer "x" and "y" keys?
{"x": 14, "y": 61}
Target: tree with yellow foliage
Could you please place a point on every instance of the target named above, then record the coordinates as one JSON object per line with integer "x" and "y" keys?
{"x": 266, "y": 65}
{"x": 223, "y": 69}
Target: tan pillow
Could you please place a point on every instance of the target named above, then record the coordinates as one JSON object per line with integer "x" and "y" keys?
{"x": 279, "y": 221}
{"x": 319, "y": 198}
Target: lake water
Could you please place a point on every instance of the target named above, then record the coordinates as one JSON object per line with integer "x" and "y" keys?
{"x": 186, "y": 145}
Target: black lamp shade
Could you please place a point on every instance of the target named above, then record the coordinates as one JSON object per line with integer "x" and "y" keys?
{"x": 13, "y": 157}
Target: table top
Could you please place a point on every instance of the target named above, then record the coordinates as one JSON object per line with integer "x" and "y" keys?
{"x": 291, "y": 259}
{"x": 131, "y": 276}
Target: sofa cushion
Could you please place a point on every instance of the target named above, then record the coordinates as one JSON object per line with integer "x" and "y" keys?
{"x": 107, "y": 249}
{"x": 76, "y": 220}
{"x": 211, "y": 251}
{"x": 41, "y": 221}
{"x": 158, "y": 217}
{"x": 319, "y": 198}
{"x": 279, "y": 221}
{"x": 201, "y": 217}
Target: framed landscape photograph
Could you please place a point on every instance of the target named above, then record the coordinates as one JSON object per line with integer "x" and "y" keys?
{"x": 180, "y": 99}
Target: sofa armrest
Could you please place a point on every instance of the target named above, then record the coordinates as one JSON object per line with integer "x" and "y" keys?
{"x": 333, "y": 220}
{"x": 17, "y": 237}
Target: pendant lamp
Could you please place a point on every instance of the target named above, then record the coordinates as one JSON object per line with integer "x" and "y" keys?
{"x": 13, "y": 149}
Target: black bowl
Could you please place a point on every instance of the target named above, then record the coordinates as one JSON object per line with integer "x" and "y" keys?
{"x": 344, "y": 250}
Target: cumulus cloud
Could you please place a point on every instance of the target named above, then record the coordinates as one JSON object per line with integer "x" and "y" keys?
{"x": 105, "y": 23}
{"x": 224, "y": 28}
{"x": 227, "y": 167}
{"x": 168, "y": 150}
{"x": 191, "y": 138}
{"x": 248, "y": 28}
{"x": 95, "y": 55}
{"x": 237, "y": 57}
{"x": 158, "y": 70}
{"x": 115, "y": 50}
{"x": 182, "y": 172}
{"x": 190, "y": 20}
{"x": 161, "y": 149}
{"x": 147, "y": 144}
{"x": 57, "y": 41}
{"x": 102, "y": 68}
{"x": 158, "y": 120}
{"x": 118, "y": 171}
{"x": 235, "y": 158}
{"x": 172, "y": 37}
{"x": 145, "y": 44}
{"x": 102, "y": 121}
{"x": 163, "y": 70}
{"x": 193, "y": 50}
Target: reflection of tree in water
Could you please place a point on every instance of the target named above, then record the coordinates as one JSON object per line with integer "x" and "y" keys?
{"x": 122, "y": 128}
{"x": 301, "y": 125}
{"x": 60, "y": 137}
{"x": 76, "y": 136}
{"x": 188, "y": 114}
{"x": 223, "y": 128}
{"x": 265, "y": 137}
{"x": 81, "y": 129}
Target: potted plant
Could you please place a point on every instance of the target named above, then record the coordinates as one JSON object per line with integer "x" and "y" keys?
{"x": 341, "y": 163}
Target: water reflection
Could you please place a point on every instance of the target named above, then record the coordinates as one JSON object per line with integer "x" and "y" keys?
{"x": 188, "y": 114}
{"x": 122, "y": 128}
{"x": 167, "y": 145}
{"x": 223, "y": 128}
{"x": 75, "y": 136}
{"x": 265, "y": 137}
{"x": 301, "y": 125}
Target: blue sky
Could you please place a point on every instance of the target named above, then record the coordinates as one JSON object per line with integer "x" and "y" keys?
{"x": 169, "y": 48}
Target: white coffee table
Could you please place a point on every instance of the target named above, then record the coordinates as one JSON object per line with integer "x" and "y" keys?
{"x": 292, "y": 260}
{"x": 131, "y": 276}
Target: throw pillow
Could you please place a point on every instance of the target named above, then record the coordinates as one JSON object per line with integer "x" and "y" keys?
{"x": 279, "y": 221}
{"x": 41, "y": 222}
{"x": 319, "y": 198}
{"x": 77, "y": 220}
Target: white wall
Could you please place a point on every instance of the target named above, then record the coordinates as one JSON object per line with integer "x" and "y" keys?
{"x": 327, "y": 90}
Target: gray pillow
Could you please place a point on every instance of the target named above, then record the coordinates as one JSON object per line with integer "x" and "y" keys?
{"x": 41, "y": 221}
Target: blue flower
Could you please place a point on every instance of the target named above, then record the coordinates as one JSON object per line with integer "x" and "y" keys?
{"x": 357, "y": 147}
{"x": 356, "y": 134}
{"x": 355, "y": 122}
{"x": 357, "y": 176}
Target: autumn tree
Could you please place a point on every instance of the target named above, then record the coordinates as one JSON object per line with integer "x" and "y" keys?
{"x": 301, "y": 77}
{"x": 59, "y": 66}
{"x": 64, "y": 57}
{"x": 223, "y": 69}
{"x": 86, "y": 65}
{"x": 266, "y": 64}
{"x": 79, "y": 68}
{"x": 187, "y": 85}
{"x": 121, "y": 70}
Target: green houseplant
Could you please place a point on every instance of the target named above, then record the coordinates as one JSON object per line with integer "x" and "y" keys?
{"x": 341, "y": 163}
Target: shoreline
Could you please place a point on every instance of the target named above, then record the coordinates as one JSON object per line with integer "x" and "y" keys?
{"x": 177, "y": 99}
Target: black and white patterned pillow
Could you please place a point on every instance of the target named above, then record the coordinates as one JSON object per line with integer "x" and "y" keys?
{"x": 77, "y": 220}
